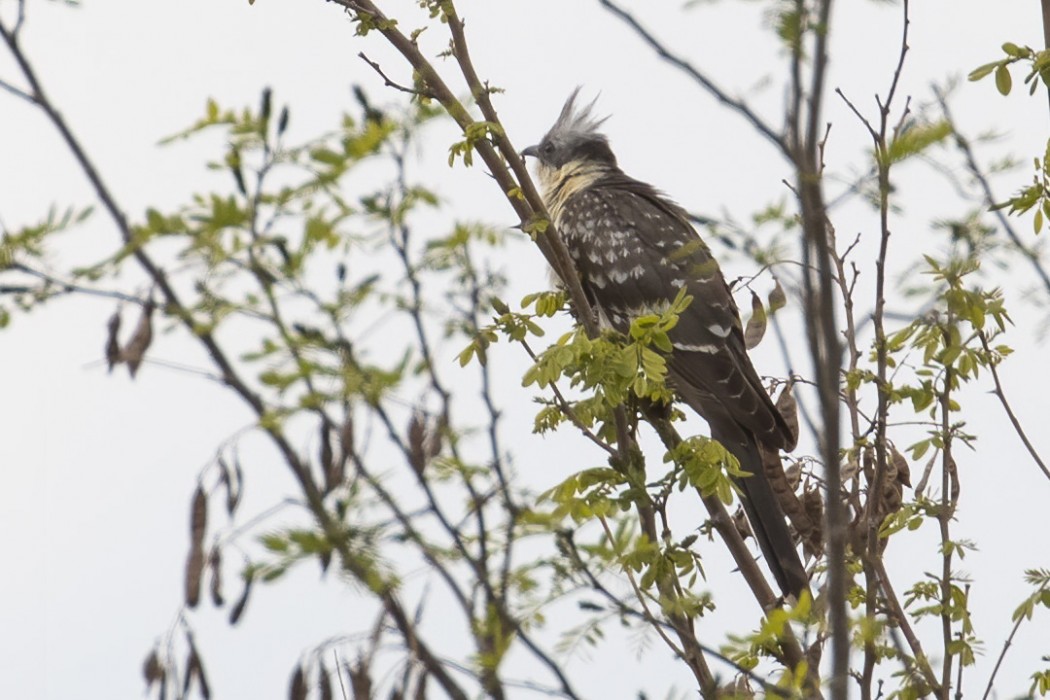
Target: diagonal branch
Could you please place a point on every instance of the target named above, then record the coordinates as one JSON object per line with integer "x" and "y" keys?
{"x": 735, "y": 104}
{"x": 979, "y": 175}
{"x": 1001, "y": 395}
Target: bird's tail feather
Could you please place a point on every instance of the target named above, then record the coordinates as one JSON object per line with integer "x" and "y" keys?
{"x": 767, "y": 519}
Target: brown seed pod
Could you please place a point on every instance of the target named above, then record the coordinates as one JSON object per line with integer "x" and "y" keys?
{"x": 813, "y": 504}
{"x": 238, "y": 608}
{"x": 113, "y": 340}
{"x": 788, "y": 409}
{"x": 215, "y": 570}
{"x": 194, "y": 573}
{"x": 231, "y": 483}
{"x": 777, "y": 299}
{"x": 902, "y": 466}
{"x": 436, "y": 437}
{"x": 297, "y": 688}
{"x": 195, "y": 670}
{"x": 152, "y": 669}
{"x": 416, "y": 436}
{"x": 346, "y": 434}
{"x": 756, "y": 325}
{"x": 140, "y": 340}
{"x": 195, "y": 560}
{"x": 198, "y": 516}
{"x": 331, "y": 468}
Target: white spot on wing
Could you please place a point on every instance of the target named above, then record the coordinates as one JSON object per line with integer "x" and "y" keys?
{"x": 686, "y": 347}
{"x": 719, "y": 330}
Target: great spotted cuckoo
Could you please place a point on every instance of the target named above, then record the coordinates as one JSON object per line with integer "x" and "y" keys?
{"x": 634, "y": 249}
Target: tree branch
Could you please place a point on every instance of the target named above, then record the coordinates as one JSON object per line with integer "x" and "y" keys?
{"x": 1001, "y": 395}
{"x": 735, "y": 104}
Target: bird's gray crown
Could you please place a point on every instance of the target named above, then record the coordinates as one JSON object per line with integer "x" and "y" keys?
{"x": 574, "y": 136}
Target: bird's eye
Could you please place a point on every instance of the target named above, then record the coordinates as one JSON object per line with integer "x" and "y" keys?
{"x": 547, "y": 148}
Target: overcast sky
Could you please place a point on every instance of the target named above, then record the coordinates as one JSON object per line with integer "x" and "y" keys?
{"x": 98, "y": 470}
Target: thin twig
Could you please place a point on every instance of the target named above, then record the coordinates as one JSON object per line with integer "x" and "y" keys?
{"x": 896, "y": 611}
{"x": 1002, "y": 654}
{"x": 985, "y": 185}
{"x": 735, "y": 104}
{"x": 390, "y": 83}
{"x": 64, "y": 287}
{"x": 1001, "y": 395}
{"x": 17, "y": 92}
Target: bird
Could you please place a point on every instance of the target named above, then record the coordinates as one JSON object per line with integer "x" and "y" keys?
{"x": 634, "y": 249}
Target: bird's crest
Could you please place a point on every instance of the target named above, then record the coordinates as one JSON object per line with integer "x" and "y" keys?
{"x": 574, "y": 123}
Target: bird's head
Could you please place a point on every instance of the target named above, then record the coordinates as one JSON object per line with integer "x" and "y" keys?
{"x": 573, "y": 140}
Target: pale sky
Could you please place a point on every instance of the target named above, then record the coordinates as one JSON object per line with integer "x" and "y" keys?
{"x": 99, "y": 470}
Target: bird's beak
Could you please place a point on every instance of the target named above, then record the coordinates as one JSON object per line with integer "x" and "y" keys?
{"x": 533, "y": 151}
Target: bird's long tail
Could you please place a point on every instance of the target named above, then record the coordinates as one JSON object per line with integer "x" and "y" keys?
{"x": 767, "y": 518}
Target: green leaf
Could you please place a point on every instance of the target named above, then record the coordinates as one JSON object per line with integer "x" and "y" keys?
{"x": 1003, "y": 81}
{"x": 918, "y": 138}
{"x": 1011, "y": 49}
{"x": 982, "y": 71}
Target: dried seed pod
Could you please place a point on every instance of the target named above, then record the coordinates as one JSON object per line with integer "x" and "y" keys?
{"x": 198, "y": 516}
{"x": 953, "y": 476}
{"x": 195, "y": 560}
{"x": 868, "y": 456}
{"x": 756, "y": 325}
{"x": 231, "y": 483}
{"x": 436, "y": 437}
{"x": 215, "y": 570}
{"x": 794, "y": 474}
{"x": 788, "y": 409}
{"x": 238, "y": 608}
{"x": 346, "y": 434}
{"x": 813, "y": 504}
{"x": 416, "y": 435}
{"x": 152, "y": 669}
{"x": 325, "y": 557}
{"x": 282, "y": 121}
{"x": 331, "y": 468}
{"x": 195, "y": 670}
{"x": 112, "y": 340}
{"x": 140, "y": 340}
{"x": 777, "y": 299}
{"x": 297, "y": 688}
{"x": 852, "y": 466}
{"x": 265, "y": 108}
{"x": 194, "y": 573}
{"x": 238, "y": 480}
{"x": 739, "y": 689}
{"x": 902, "y": 467}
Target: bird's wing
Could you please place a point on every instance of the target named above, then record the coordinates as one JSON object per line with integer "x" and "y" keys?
{"x": 635, "y": 250}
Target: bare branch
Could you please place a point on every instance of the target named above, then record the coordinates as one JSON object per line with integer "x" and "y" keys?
{"x": 1001, "y": 395}
{"x": 735, "y": 104}
{"x": 981, "y": 177}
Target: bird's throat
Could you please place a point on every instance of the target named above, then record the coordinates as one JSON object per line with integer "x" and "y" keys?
{"x": 559, "y": 184}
